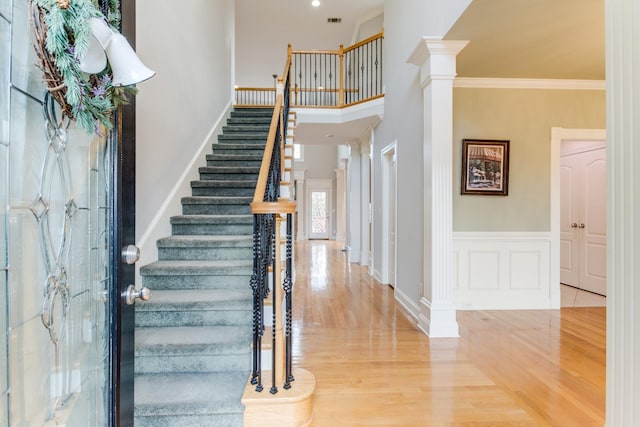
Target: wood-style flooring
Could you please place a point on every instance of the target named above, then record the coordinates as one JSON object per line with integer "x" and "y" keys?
{"x": 374, "y": 368}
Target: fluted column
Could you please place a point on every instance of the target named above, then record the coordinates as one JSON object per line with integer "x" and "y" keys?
{"x": 437, "y": 61}
{"x": 622, "y": 20}
{"x": 365, "y": 183}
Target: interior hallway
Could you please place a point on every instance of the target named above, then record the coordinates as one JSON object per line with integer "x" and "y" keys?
{"x": 374, "y": 368}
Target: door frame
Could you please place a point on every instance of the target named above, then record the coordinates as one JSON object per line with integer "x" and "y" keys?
{"x": 558, "y": 135}
{"x": 122, "y": 224}
{"x": 387, "y": 156}
{"x": 319, "y": 185}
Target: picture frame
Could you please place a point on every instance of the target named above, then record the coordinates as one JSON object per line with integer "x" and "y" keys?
{"x": 485, "y": 167}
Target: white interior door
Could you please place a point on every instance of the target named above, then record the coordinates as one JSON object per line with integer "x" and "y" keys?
{"x": 583, "y": 220}
{"x": 593, "y": 225}
{"x": 569, "y": 213}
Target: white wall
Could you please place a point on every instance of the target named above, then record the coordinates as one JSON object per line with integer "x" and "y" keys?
{"x": 405, "y": 24}
{"x": 177, "y": 110}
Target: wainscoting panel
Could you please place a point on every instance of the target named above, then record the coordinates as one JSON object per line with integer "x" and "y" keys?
{"x": 501, "y": 270}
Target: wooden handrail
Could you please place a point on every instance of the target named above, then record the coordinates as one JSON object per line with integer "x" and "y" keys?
{"x": 257, "y": 89}
{"x": 263, "y": 176}
{"x": 365, "y": 41}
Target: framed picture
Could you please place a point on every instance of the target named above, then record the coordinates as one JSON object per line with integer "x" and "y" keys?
{"x": 485, "y": 167}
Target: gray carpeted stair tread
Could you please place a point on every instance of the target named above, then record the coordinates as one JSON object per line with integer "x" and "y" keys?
{"x": 246, "y": 128}
{"x": 198, "y": 268}
{"x": 196, "y": 300}
{"x": 242, "y": 113}
{"x": 236, "y": 157}
{"x": 205, "y": 340}
{"x": 212, "y": 219}
{"x": 189, "y": 394}
{"x": 205, "y": 241}
{"x": 240, "y": 183}
{"x": 216, "y": 200}
{"x": 263, "y": 120}
{"x": 229, "y": 169}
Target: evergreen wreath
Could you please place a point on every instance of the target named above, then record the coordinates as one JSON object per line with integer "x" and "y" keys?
{"x": 62, "y": 32}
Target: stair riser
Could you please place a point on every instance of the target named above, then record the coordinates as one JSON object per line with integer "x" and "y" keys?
{"x": 194, "y": 318}
{"x": 221, "y": 229}
{"x": 212, "y": 209}
{"x": 249, "y": 120}
{"x": 194, "y": 362}
{"x": 252, "y": 113}
{"x": 217, "y": 191}
{"x": 222, "y": 149}
{"x": 183, "y": 282}
{"x": 234, "y": 162}
{"x": 246, "y": 129}
{"x": 206, "y": 176}
{"x": 204, "y": 254}
{"x": 211, "y": 420}
{"x": 243, "y": 139}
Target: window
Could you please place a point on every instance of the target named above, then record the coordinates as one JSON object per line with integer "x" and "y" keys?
{"x": 298, "y": 153}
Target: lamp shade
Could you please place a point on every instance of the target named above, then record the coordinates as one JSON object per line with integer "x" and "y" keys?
{"x": 125, "y": 64}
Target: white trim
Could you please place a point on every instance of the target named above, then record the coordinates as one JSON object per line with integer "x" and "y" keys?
{"x": 374, "y": 109}
{"x": 387, "y": 155}
{"x": 557, "y": 136}
{"x": 411, "y": 307}
{"x": 493, "y": 83}
{"x": 171, "y": 206}
{"x": 503, "y": 271}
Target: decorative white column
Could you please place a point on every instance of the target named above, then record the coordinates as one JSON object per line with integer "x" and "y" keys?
{"x": 365, "y": 185}
{"x": 437, "y": 61}
{"x": 353, "y": 203}
{"x": 622, "y": 21}
{"x": 301, "y": 233}
{"x": 340, "y": 201}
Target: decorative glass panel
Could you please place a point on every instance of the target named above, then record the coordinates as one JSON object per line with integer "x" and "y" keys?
{"x": 54, "y": 237}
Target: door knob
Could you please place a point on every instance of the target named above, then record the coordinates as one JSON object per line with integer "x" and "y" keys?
{"x": 574, "y": 225}
{"x": 131, "y": 294}
{"x": 581, "y": 226}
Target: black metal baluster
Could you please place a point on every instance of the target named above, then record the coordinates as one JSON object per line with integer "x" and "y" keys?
{"x": 288, "y": 287}
{"x": 274, "y": 308}
{"x": 256, "y": 300}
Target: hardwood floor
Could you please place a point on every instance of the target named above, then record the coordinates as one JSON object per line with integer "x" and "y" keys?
{"x": 374, "y": 368}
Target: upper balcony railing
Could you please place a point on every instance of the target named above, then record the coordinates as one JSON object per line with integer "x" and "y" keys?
{"x": 327, "y": 78}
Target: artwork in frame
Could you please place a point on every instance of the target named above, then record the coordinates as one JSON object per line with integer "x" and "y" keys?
{"x": 485, "y": 167}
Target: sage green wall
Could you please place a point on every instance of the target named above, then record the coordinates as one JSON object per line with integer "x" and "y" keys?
{"x": 525, "y": 117}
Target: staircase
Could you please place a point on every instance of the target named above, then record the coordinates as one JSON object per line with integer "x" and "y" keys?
{"x": 193, "y": 336}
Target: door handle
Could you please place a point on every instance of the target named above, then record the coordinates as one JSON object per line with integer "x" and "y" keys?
{"x": 581, "y": 225}
{"x": 131, "y": 294}
{"x": 574, "y": 225}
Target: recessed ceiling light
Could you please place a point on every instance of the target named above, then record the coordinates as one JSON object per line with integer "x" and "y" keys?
{"x": 315, "y": 3}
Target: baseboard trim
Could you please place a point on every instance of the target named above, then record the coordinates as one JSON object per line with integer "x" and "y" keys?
{"x": 412, "y": 309}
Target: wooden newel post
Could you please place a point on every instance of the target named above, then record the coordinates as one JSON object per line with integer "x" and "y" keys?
{"x": 341, "y": 89}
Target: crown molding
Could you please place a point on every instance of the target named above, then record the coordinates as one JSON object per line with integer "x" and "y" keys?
{"x": 558, "y": 84}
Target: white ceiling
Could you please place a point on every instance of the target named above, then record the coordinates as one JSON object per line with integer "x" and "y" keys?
{"x": 551, "y": 39}
{"x": 544, "y": 39}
